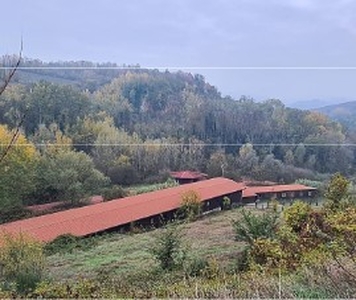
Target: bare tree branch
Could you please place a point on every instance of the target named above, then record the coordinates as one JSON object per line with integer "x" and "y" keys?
{"x": 13, "y": 138}
{"x": 9, "y": 76}
{"x": 3, "y": 87}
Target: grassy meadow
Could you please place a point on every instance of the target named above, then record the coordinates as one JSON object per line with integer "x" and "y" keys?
{"x": 210, "y": 237}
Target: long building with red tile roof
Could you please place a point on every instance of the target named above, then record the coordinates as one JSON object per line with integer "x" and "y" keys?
{"x": 252, "y": 193}
{"x": 114, "y": 214}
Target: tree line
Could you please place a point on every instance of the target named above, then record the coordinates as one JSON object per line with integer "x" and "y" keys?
{"x": 143, "y": 123}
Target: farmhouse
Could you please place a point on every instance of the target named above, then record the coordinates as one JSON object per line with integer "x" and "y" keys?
{"x": 183, "y": 177}
{"x": 288, "y": 191}
{"x": 145, "y": 209}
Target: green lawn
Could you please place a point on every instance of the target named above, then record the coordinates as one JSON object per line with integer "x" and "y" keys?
{"x": 146, "y": 188}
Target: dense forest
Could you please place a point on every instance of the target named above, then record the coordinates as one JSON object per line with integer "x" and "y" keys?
{"x": 101, "y": 125}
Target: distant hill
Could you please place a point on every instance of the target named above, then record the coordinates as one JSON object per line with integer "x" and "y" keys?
{"x": 344, "y": 113}
{"x": 315, "y": 104}
{"x": 83, "y": 74}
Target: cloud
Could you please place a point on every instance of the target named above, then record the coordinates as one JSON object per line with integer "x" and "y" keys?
{"x": 337, "y": 13}
{"x": 301, "y": 4}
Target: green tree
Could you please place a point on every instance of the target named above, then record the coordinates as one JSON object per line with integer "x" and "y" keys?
{"x": 270, "y": 168}
{"x": 109, "y": 144}
{"x": 247, "y": 160}
{"x": 17, "y": 172}
{"x": 337, "y": 193}
{"x": 168, "y": 250}
{"x": 217, "y": 164}
{"x": 66, "y": 176}
{"x": 299, "y": 155}
{"x": 52, "y": 103}
{"x": 122, "y": 172}
{"x": 289, "y": 157}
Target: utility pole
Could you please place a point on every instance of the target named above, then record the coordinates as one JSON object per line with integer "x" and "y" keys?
{"x": 223, "y": 170}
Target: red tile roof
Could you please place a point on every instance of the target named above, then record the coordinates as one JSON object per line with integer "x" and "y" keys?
{"x": 248, "y": 192}
{"x": 96, "y": 218}
{"x": 251, "y": 191}
{"x": 188, "y": 175}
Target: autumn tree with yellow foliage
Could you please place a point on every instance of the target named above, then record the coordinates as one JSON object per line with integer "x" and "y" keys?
{"x": 17, "y": 170}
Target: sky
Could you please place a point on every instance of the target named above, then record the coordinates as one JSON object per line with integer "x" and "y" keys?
{"x": 201, "y": 36}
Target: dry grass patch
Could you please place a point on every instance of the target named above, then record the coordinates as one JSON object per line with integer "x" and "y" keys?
{"x": 210, "y": 236}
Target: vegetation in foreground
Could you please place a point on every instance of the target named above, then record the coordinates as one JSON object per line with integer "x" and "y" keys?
{"x": 303, "y": 252}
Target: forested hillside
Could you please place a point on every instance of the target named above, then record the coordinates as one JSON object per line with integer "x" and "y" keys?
{"x": 122, "y": 127}
{"x": 344, "y": 113}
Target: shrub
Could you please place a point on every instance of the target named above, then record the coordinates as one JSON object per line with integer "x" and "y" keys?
{"x": 135, "y": 229}
{"x": 266, "y": 252}
{"x": 82, "y": 288}
{"x": 140, "y": 189}
{"x": 226, "y": 203}
{"x": 191, "y": 206}
{"x": 67, "y": 243}
{"x": 274, "y": 203}
{"x": 212, "y": 270}
{"x": 167, "y": 249}
{"x": 22, "y": 262}
{"x": 196, "y": 266}
{"x": 251, "y": 226}
{"x": 296, "y": 215}
{"x": 114, "y": 192}
{"x": 14, "y": 213}
{"x": 242, "y": 262}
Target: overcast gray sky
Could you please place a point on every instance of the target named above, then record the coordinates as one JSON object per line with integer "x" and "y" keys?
{"x": 200, "y": 33}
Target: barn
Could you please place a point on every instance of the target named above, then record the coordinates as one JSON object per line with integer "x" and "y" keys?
{"x": 145, "y": 209}
{"x": 183, "y": 177}
{"x": 279, "y": 192}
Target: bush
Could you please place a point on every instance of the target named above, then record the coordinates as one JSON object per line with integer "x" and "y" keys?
{"x": 161, "y": 177}
{"x": 67, "y": 243}
{"x": 242, "y": 262}
{"x": 140, "y": 189}
{"x": 196, "y": 266}
{"x": 167, "y": 249}
{"x": 14, "y": 213}
{"x": 82, "y": 288}
{"x": 296, "y": 215}
{"x": 114, "y": 192}
{"x": 226, "y": 203}
{"x": 191, "y": 206}
{"x": 252, "y": 227}
{"x": 267, "y": 253}
{"x": 22, "y": 262}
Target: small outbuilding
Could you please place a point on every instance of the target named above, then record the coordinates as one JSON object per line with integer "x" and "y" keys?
{"x": 183, "y": 177}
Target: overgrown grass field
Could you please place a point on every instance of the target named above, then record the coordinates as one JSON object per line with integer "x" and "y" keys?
{"x": 211, "y": 236}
